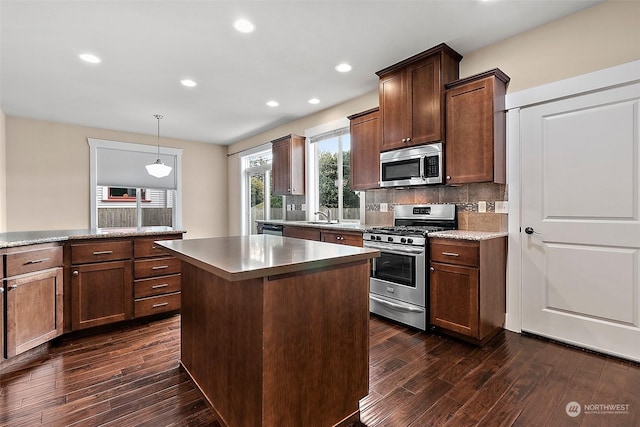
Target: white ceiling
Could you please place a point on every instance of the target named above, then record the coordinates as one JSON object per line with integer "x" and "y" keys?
{"x": 148, "y": 46}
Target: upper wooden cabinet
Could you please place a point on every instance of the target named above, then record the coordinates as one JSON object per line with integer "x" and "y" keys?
{"x": 365, "y": 149}
{"x": 475, "y": 150}
{"x": 412, "y": 97}
{"x": 287, "y": 165}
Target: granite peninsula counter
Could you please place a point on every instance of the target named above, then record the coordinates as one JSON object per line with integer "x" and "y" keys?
{"x": 274, "y": 330}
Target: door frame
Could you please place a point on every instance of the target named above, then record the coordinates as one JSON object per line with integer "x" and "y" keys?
{"x": 619, "y": 75}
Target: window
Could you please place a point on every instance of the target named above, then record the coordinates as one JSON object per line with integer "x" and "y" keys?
{"x": 260, "y": 203}
{"x": 123, "y": 194}
{"x": 331, "y": 166}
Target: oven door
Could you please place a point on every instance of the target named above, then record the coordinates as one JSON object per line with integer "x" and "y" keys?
{"x": 399, "y": 273}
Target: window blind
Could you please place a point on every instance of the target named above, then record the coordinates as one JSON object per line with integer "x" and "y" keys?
{"x": 124, "y": 166}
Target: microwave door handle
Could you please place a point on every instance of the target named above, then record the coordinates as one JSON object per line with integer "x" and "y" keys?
{"x": 423, "y": 172}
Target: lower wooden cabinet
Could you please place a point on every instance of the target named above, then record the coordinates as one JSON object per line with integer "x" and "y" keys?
{"x": 157, "y": 279}
{"x": 34, "y": 310}
{"x": 101, "y": 293}
{"x": 3, "y": 355}
{"x": 467, "y": 287}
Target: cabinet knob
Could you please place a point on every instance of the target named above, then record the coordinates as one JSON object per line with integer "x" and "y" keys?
{"x": 75, "y": 272}
{"x": 408, "y": 139}
{"x": 404, "y": 139}
{"x": 13, "y": 287}
{"x": 432, "y": 269}
{"x": 1, "y": 289}
{"x": 448, "y": 176}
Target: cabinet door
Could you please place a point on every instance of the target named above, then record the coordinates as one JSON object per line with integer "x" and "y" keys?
{"x": 34, "y": 310}
{"x": 454, "y": 298}
{"x": 365, "y": 149}
{"x": 425, "y": 112}
{"x": 469, "y": 148}
{"x": 281, "y": 167}
{"x": 393, "y": 110}
{"x": 101, "y": 294}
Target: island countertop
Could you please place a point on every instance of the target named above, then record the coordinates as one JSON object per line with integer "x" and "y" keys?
{"x": 248, "y": 257}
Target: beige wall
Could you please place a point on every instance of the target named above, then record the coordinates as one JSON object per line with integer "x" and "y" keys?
{"x": 48, "y": 177}
{"x": 356, "y": 105}
{"x": 3, "y": 175}
{"x": 599, "y": 37}
{"x": 596, "y": 38}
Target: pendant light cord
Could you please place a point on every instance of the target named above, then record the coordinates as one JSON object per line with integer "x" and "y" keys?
{"x": 158, "y": 116}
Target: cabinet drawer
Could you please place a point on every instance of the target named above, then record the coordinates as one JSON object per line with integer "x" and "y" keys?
{"x": 156, "y": 286}
{"x": 301, "y": 232}
{"x": 84, "y": 253}
{"x": 145, "y": 248}
{"x": 156, "y": 267}
{"x": 35, "y": 260}
{"x": 159, "y": 304}
{"x": 351, "y": 239}
{"x": 455, "y": 252}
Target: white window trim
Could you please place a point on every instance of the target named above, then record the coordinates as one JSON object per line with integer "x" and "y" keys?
{"x": 312, "y": 194}
{"x": 94, "y": 144}
{"x": 245, "y": 185}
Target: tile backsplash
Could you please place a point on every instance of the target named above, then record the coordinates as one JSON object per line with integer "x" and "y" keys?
{"x": 465, "y": 197}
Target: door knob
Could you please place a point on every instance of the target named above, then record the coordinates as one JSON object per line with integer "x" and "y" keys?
{"x": 529, "y": 230}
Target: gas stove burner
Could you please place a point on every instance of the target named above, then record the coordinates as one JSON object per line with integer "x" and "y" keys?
{"x": 402, "y": 230}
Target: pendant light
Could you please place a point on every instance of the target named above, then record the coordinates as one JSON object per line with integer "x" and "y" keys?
{"x": 158, "y": 169}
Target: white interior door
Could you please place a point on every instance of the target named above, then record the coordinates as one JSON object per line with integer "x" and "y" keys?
{"x": 580, "y": 198}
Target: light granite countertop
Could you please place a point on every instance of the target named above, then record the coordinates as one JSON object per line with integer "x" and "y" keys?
{"x": 467, "y": 234}
{"x": 25, "y": 238}
{"x": 350, "y": 226}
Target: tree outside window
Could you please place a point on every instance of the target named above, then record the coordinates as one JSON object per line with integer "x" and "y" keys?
{"x": 334, "y": 190}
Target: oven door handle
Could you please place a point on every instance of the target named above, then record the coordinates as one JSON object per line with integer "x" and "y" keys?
{"x": 398, "y": 307}
{"x": 394, "y": 250}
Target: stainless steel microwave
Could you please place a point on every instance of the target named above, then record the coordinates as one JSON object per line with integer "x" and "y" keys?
{"x": 419, "y": 165}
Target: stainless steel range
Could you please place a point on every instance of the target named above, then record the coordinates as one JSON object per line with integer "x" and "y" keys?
{"x": 399, "y": 284}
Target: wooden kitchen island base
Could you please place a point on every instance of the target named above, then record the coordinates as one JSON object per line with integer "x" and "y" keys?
{"x": 288, "y": 349}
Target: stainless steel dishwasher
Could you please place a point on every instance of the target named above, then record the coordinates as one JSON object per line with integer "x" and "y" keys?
{"x": 273, "y": 229}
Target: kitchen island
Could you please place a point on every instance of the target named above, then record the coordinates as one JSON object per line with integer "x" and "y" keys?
{"x": 274, "y": 330}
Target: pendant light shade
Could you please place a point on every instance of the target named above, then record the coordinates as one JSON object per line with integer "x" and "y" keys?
{"x": 158, "y": 169}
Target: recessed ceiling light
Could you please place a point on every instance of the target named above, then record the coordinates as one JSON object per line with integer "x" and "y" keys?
{"x": 244, "y": 26}
{"x": 314, "y": 101}
{"x": 273, "y": 103}
{"x": 90, "y": 58}
{"x": 343, "y": 68}
{"x": 188, "y": 83}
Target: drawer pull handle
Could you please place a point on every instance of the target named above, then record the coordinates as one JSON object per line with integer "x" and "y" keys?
{"x": 37, "y": 261}
{"x": 162, "y": 304}
{"x": 450, "y": 254}
{"x": 164, "y": 285}
{"x": 96, "y": 253}
{"x": 159, "y": 267}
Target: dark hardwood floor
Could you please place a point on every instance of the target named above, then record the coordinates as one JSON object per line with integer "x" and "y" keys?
{"x": 131, "y": 377}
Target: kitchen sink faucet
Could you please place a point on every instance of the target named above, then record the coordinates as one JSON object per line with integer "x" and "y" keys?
{"x": 326, "y": 215}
